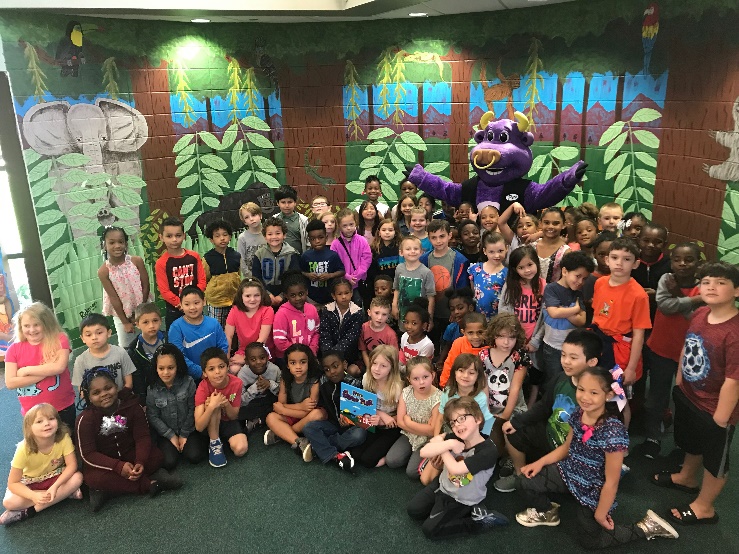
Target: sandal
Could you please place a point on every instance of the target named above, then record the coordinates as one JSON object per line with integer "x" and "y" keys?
{"x": 664, "y": 479}
{"x": 688, "y": 517}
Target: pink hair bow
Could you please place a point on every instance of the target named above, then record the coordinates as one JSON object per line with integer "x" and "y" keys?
{"x": 617, "y": 387}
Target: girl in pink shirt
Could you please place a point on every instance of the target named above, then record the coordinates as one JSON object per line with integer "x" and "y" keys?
{"x": 296, "y": 322}
{"x": 37, "y": 364}
{"x": 251, "y": 318}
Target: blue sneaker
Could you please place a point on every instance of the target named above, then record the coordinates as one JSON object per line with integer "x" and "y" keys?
{"x": 488, "y": 518}
{"x": 216, "y": 457}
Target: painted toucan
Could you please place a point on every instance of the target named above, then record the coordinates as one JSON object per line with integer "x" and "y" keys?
{"x": 649, "y": 30}
{"x": 69, "y": 52}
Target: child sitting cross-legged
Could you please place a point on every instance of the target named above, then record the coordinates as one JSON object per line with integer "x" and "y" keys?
{"x": 332, "y": 438}
{"x": 588, "y": 466}
{"x": 452, "y": 505}
{"x": 217, "y": 402}
{"x": 297, "y": 401}
{"x": 261, "y": 379}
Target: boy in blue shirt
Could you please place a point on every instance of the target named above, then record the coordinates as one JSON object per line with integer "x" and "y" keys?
{"x": 194, "y": 332}
{"x": 320, "y": 264}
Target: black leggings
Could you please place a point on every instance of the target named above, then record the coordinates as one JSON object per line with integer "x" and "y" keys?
{"x": 376, "y": 446}
{"x": 195, "y": 450}
{"x": 592, "y": 535}
{"x": 442, "y": 516}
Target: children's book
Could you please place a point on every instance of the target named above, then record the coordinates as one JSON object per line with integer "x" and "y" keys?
{"x": 357, "y": 406}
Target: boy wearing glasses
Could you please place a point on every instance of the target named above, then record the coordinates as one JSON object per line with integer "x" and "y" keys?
{"x": 452, "y": 505}
{"x": 319, "y": 206}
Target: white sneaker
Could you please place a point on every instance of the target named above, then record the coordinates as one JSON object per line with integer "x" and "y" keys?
{"x": 532, "y": 518}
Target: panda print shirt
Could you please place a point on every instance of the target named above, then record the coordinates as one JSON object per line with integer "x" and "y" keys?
{"x": 499, "y": 379}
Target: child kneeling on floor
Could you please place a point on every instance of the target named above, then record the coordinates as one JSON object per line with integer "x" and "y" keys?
{"x": 297, "y": 401}
{"x": 44, "y": 468}
{"x": 452, "y": 504}
{"x": 588, "y": 466}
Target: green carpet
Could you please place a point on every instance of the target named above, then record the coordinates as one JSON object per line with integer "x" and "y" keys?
{"x": 271, "y": 501}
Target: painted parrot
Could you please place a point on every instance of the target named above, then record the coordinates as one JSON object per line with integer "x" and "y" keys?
{"x": 501, "y": 159}
{"x": 69, "y": 51}
{"x": 649, "y": 30}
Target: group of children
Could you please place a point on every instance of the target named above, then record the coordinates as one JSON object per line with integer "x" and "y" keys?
{"x": 527, "y": 343}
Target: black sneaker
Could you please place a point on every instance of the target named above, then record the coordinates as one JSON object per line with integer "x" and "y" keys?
{"x": 650, "y": 449}
{"x": 97, "y": 499}
{"x": 252, "y": 424}
{"x": 345, "y": 462}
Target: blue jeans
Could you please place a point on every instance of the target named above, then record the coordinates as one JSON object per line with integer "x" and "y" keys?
{"x": 551, "y": 358}
{"x": 327, "y": 439}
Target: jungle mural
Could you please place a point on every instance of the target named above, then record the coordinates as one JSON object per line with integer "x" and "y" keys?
{"x": 128, "y": 122}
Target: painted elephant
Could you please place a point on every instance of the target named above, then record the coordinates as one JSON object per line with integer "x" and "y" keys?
{"x": 109, "y": 132}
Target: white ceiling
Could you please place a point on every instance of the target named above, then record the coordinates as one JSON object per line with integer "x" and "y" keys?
{"x": 271, "y": 11}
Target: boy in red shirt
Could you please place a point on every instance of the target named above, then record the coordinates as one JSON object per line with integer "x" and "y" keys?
{"x": 177, "y": 268}
{"x": 621, "y": 311}
{"x": 217, "y": 402}
{"x": 707, "y": 395}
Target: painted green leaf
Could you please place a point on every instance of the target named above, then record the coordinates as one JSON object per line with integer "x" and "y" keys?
{"x": 185, "y": 155}
{"x": 210, "y": 140}
{"x": 615, "y": 166}
{"x": 131, "y": 181}
{"x": 124, "y": 212}
{"x": 265, "y": 164}
{"x": 370, "y": 162}
{"x": 39, "y": 171}
{"x": 647, "y": 213}
{"x": 43, "y": 186}
{"x": 184, "y": 169}
{"x": 85, "y": 194}
{"x": 565, "y": 152}
{"x": 255, "y": 123}
{"x": 647, "y": 176}
{"x": 622, "y": 181}
{"x": 268, "y": 180}
{"x": 259, "y": 141}
{"x": 413, "y": 139}
{"x": 380, "y": 133}
{"x": 647, "y": 138}
{"x": 53, "y": 234}
{"x": 646, "y": 159}
{"x": 73, "y": 159}
{"x": 611, "y": 133}
{"x": 436, "y": 167}
{"x": 243, "y": 180}
{"x": 405, "y": 152}
{"x": 58, "y": 256}
{"x": 212, "y": 187}
{"x": 86, "y": 209}
{"x": 180, "y": 144}
{"x": 357, "y": 187}
{"x": 369, "y": 171}
{"x": 396, "y": 161}
{"x": 238, "y": 157}
{"x": 188, "y": 181}
{"x": 731, "y": 243}
{"x": 627, "y": 194}
{"x": 97, "y": 179}
{"x": 646, "y": 194}
{"x": 354, "y": 204}
{"x": 378, "y": 146}
{"x": 614, "y": 147}
{"x": 731, "y": 257}
{"x": 219, "y": 180}
{"x": 129, "y": 197}
{"x": 229, "y": 136}
{"x": 188, "y": 205}
{"x": 545, "y": 174}
{"x": 30, "y": 156}
{"x": 645, "y": 115}
{"x": 389, "y": 174}
{"x": 48, "y": 217}
{"x": 735, "y": 201}
{"x": 212, "y": 202}
{"x": 211, "y": 160}
{"x": 727, "y": 214}
{"x": 389, "y": 193}
{"x": 537, "y": 164}
{"x": 191, "y": 219}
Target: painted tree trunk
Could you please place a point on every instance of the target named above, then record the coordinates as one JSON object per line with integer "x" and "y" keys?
{"x": 151, "y": 96}
{"x": 459, "y": 131}
{"x": 312, "y": 114}
{"x": 686, "y": 199}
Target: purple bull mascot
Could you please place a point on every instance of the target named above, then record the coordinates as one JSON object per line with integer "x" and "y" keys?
{"x": 501, "y": 158}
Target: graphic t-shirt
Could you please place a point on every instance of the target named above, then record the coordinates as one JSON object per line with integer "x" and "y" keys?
{"x": 471, "y": 488}
{"x": 232, "y": 391}
{"x": 486, "y": 287}
{"x": 442, "y": 268}
{"x": 424, "y": 347}
{"x": 412, "y": 284}
{"x": 174, "y": 273}
{"x": 369, "y": 339}
{"x": 37, "y": 466}
{"x": 711, "y": 356}
{"x": 527, "y": 308}
{"x": 320, "y": 262}
{"x": 565, "y": 404}
{"x": 116, "y": 361}
{"x": 499, "y": 379}
{"x": 247, "y": 245}
{"x": 386, "y": 260}
{"x": 621, "y": 309}
{"x": 556, "y": 329}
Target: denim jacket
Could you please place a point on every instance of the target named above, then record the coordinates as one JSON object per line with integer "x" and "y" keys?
{"x": 171, "y": 411}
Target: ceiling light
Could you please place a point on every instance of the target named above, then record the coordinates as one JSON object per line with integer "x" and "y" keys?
{"x": 200, "y": 20}
{"x": 418, "y": 14}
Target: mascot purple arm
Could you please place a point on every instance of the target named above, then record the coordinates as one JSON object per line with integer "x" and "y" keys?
{"x": 501, "y": 158}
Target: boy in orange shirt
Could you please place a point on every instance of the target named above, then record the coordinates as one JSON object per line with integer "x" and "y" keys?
{"x": 471, "y": 342}
{"x": 621, "y": 311}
